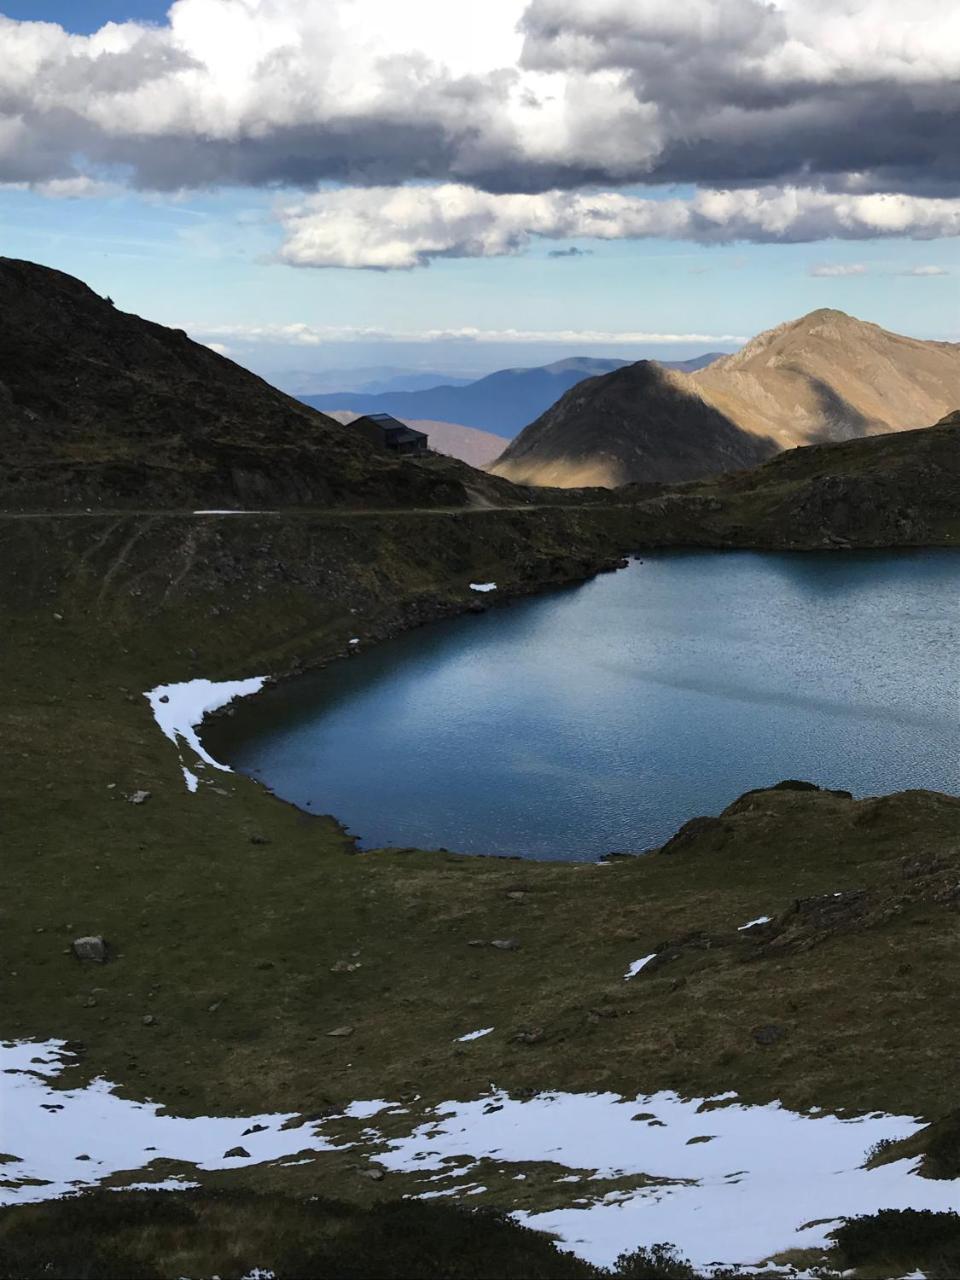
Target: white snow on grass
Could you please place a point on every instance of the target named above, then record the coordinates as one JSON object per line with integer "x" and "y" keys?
{"x": 474, "y": 1035}
{"x": 179, "y": 709}
{"x": 637, "y": 966}
{"x": 168, "y": 1184}
{"x": 46, "y": 1130}
{"x": 751, "y": 923}
{"x": 483, "y": 586}
{"x": 737, "y": 1198}
{"x": 723, "y": 1181}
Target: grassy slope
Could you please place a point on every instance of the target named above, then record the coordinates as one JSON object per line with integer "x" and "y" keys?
{"x": 901, "y": 489}
{"x": 200, "y": 916}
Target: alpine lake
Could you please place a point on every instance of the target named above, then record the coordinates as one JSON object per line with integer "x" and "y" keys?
{"x": 600, "y": 718}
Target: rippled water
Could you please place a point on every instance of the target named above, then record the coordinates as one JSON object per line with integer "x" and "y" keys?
{"x": 602, "y": 717}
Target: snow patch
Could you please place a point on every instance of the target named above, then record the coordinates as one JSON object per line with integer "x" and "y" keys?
{"x": 179, "y": 708}
{"x": 47, "y": 1130}
{"x": 751, "y": 923}
{"x": 738, "y": 1198}
{"x": 168, "y": 1184}
{"x": 767, "y": 1180}
{"x": 637, "y": 966}
{"x": 483, "y": 586}
{"x": 474, "y": 1035}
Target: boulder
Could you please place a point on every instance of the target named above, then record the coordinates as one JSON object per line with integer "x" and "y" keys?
{"x": 91, "y": 948}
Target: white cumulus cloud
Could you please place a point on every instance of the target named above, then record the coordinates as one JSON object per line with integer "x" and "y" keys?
{"x": 298, "y": 334}
{"x": 511, "y": 97}
{"x": 838, "y": 269}
{"x": 404, "y": 227}
{"x": 926, "y": 271}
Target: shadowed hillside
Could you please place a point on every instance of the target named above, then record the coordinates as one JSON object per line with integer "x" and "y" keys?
{"x": 101, "y": 408}
{"x": 642, "y": 422}
{"x": 898, "y": 489}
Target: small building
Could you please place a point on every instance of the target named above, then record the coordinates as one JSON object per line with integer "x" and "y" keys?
{"x": 390, "y": 434}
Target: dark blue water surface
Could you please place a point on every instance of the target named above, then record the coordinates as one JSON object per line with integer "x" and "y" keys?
{"x": 601, "y": 718}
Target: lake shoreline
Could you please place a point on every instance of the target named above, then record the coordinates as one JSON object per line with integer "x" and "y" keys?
{"x": 736, "y": 583}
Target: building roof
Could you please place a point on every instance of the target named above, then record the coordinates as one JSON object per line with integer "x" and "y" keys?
{"x": 397, "y": 431}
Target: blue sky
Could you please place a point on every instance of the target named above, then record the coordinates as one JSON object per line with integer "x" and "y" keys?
{"x": 84, "y": 16}
{"x": 232, "y": 260}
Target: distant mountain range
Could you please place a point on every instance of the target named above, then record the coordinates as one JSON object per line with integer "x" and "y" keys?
{"x": 477, "y": 448}
{"x": 366, "y": 380}
{"x": 502, "y": 402}
{"x": 824, "y": 377}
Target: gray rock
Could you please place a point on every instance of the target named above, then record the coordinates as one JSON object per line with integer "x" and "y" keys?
{"x": 341, "y": 1031}
{"x": 345, "y": 966}
{"x": 149, "y": 1020}
{"x": 505, "y": 944}
{"x": 139, "y": 797}
{"x": 91, "y": 948}
{"x": 375, "y": 1175}
{"x": 529, "y": 1035}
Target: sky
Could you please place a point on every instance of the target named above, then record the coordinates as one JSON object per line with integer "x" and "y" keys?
{"x": 330, "y": 184}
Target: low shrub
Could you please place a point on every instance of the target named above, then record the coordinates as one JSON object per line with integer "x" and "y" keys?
{"x": 903, "y": 1238}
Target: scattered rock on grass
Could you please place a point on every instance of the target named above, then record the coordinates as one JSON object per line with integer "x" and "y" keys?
{"x": 529, "y": 1035}
{"x": 138, "y": 797}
